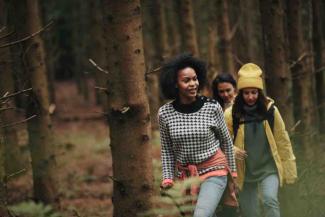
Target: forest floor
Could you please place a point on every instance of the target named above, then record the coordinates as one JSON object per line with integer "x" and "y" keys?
{"x": 82, "y": 153}
{"x": 84, "y": 164}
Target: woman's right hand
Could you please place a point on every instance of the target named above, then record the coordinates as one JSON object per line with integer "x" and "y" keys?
{"x": 240, "y": 154}
{"x": 166, "y": 184}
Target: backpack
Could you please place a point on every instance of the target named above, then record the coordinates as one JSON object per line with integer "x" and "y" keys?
{"x": 269, "y": 117}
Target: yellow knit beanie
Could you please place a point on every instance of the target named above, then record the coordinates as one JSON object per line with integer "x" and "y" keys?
{"x": 250, "y": 75}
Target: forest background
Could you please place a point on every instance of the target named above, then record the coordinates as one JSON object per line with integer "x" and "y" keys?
{"x": 77, "y": 79}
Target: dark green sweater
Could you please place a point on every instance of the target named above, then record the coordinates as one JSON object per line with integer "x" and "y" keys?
{"x": 259, "y": 162}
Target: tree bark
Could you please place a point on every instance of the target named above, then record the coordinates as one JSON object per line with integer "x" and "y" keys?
{"x": 319, "y": 50}
{"x": 224, "y": 33}
{"x": 278, "y": 78}
{"x": 173, "y": 26}
{"x": 128, "y": 113}
{"x": 39, "y": 128}
{"x": 3, "y": 177}
{"x": 301, "y": 70}
{"x": 188, "y": 27}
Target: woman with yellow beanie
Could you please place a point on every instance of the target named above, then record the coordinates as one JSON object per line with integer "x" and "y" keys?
{"x": 263, "y": 150}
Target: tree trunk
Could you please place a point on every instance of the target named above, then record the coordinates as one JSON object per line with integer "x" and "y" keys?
{"x": 173, "y": 26}
{"x": 188, "y": 27}
{"x": 301, "y": 70}
{"x": 278, "y": 78}
{"x": 319, "y": 50}
{"x": 224, "y": 33}
{"x": 40, "y": 127}
{"x": 156, "y": 50}
{"x": 3, "y": 177}
{"x": 97, "y": 51}
{"x": 253, "y": 31}
{"x": 128, "y": 113}
{"x": 14, "y": 160}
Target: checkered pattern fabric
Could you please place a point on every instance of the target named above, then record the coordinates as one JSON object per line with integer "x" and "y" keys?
{"x": 192, "y": 138}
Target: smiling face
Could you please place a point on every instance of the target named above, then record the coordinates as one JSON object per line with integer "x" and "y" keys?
{"x": 187, "y": 84}
{"x": 250, "y": 96}
{"x": 226, "y": 91}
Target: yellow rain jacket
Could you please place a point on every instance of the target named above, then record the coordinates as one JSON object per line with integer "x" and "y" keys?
{"x": 279, "y": 143}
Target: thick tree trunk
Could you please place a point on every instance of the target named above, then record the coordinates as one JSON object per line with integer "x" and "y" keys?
{"x": 188, "y": 27}
{"x": 40, "y": 127}
{"x": 319, "y": 50}
{"x": 224, "y": 33}
{"x": 128, "y": 113}
{"x": 301, "y": 70}
{"x": 278, "y": 78}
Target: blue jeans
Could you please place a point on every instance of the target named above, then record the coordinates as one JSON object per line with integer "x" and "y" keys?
{"x": 267, "y": 190}
{"x": 211, "y": 191}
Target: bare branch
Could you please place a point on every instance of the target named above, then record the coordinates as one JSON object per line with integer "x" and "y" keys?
{"x": 153, "y": 71}
{"x": 6, "y": 35}
{"x": 27, "y": 37}
{"x": 97, "y": 66}
{"x": 233, "y": 31}
{"x": 18, "y": 122}
{"x": 16, "y": 173}
{"x": 6, "y": 96}
{"x": 5, "y": 109}
{"x": 102, "y": 89}
{"x": 237, "y": 59}
{"x": 300, "y": 58}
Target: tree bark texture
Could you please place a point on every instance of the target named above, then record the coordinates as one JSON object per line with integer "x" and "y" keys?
{"x": 173, "y": 26}
{"x": 224, "y": 44}
{"x": 188, "y": 27}
{"x": 128, "y": 114}
{"x": 278, "y": 78}
{"x": 39, "y": 128}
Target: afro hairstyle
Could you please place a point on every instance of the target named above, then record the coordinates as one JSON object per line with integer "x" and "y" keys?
{"x": 168, "y": 75}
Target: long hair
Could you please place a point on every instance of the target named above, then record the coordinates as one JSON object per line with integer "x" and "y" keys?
{"x": 222, "y": 78}
{"x": 238, "y": 107}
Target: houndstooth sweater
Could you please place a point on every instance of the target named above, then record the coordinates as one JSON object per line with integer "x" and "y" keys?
{"x": 191, "y": 134}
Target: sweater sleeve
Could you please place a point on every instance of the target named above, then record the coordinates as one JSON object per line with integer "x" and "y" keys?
{"x": 225, "y": 139}
{"x": 167, "y": 154}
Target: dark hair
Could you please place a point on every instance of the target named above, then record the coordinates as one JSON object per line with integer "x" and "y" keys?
{"x": 168, "y": 75}
{"x": 238, "y": 107}
{"x": 222, "y": 78}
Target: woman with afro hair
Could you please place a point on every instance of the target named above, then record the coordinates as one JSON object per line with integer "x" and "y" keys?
{"x": 194, "y": 136}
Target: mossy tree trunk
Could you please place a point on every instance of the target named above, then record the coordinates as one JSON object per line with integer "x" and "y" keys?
{"x": 128, "y": 113}
{"x": 39, "y": 128}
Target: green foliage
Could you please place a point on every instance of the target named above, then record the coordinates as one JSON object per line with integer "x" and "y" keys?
{"x": 32, "y": 209}
{"x": 174, "y": 201}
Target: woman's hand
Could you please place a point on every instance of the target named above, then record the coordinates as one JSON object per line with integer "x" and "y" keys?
{"x": 166, "y": 184}
{"x": 240, "y": 154}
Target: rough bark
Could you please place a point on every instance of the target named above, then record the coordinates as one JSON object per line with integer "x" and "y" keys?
{"x": 278, "y": 78}
{"x": 319, "y": 51}
{"x": 39, "y": 128}
{"x": 3, "y": 185}
{"x": 224, "y": 44}
{"x": 188, "y": 27}
{"x": 301, "y": 70}
{"x": 128, "y": 113}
